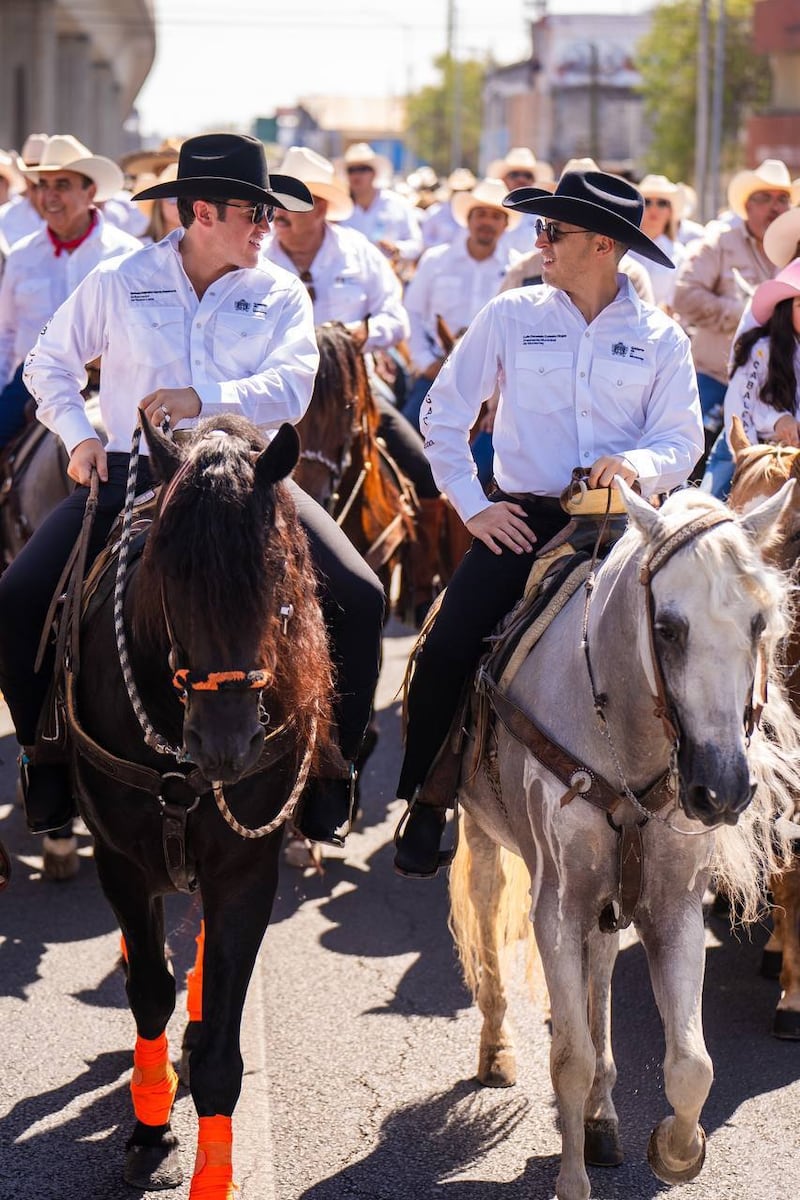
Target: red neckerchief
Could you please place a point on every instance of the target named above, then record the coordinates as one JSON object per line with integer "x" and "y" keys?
{"x": 59, "y": 245}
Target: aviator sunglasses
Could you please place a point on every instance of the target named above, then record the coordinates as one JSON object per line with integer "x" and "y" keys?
{"x": 257, "y": 211}
{"x": 552, "y": 232}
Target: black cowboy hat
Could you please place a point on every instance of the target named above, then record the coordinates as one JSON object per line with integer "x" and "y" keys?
{"x": 598, "y": 202}
{"x": 230, "y": 166}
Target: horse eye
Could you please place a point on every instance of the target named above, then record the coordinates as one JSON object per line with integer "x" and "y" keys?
{"x": 757, "y": 626}
{"x": 669, "y": 631}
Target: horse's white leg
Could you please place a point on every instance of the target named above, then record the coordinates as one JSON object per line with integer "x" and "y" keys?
{"x": 674, "y": 938}
{"x": 572, "y": 1053}
{"x": 786, "y": 892}
{"x": 603, "y": 1147}
{"x": 485, "y": 881}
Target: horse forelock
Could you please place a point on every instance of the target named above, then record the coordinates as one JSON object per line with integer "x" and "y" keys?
{"x": 760, "y": 471}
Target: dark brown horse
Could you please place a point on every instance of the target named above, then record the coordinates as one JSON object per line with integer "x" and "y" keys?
{"x": 761, "y": 471}
{"x": 342, "y": 463}
{"x": 228, "y": 653}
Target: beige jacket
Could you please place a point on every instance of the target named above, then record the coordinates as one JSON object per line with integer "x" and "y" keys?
{"x": 710, "y": 299}
{"x": 529, "y": 270}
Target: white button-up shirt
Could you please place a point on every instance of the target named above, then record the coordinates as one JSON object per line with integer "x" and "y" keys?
{"x": 36, "y": 281}
{"x": 389, "y": 218}
{"x": 569, "y": 393}
{"x": 19, "y": 219}
{"x": 351, "y": 280}
{"x": 743, "y": 397}
{"x": 450, "y": 283}
{"x": 247, "y": 347}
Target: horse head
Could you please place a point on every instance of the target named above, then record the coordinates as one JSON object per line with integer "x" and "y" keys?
{"x": 218, "y": 584}
{"x": 712, "y": 616}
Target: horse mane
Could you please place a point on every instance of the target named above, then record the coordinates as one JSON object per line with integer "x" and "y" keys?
{"x": 745, "y": 855}
{"x": 235, "y": 554}
{"x": 760, "y": 471}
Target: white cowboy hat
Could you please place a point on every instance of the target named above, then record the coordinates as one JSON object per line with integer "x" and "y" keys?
{"x": 32, "y": 150}
{"x": 361, "y": 154}
{"x": 63, "y": 152}
{"x": 518, "y": 158}
{"x": 151, "y": 161}
{"x": 10, "y": 171}
{"x": 489, "y": 193}
{"x": 771, "y": 175}
{"x": 658, "y": 187}
{"x": 579, "y": 164}
{"x": 461, "y": 180}
{"x": 689, "y": 196}
{"x": 318, "y": 174}
{"x": 782, "y": 236}
{"x": 423, "y": 179}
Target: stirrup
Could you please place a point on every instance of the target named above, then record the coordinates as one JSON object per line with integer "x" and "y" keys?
{"x": 445, "y": 857}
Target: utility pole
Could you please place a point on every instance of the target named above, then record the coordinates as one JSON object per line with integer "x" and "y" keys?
{"x": 455, "y": 84}
{"x": 715, "y": 157}
{"x": 701, "y": 123}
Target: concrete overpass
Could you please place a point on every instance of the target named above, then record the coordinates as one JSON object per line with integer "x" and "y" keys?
{"x": 73, "y": 66}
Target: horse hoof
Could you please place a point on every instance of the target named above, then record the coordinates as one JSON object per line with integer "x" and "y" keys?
{"x": 786, "y": 1024}
{"x": 60, "y": 858}
{"x": 601, "y": 1145}
{"x": 191, "y": 1036}
{"x": 771, "y": 964}
{"x": 498, "y": 1069}
{"x": 664, "y": 1165}
{"x": 153, "y": 1168}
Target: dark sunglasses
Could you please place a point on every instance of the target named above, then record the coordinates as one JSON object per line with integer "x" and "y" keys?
{"x": 358, "y": 169}
{"x": 257, "y": 211}
{"x": 552, "y": 232}
{"x": 651, "y": 201}
{"x": 520, "y": 175}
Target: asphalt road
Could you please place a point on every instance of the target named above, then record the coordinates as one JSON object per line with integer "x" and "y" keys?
{"x": 360, "y": 1043}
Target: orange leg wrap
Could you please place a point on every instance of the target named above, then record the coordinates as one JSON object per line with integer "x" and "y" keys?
{"x": 194, "y": 979}
{"x": 153, "y": 1083}
{"x": 123, "y": 949}
{"x": 213, "y": 1167}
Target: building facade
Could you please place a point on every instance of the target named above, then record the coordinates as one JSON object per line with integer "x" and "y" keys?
{"x": 73, "y": 66}
{"x": 775, "y": 132}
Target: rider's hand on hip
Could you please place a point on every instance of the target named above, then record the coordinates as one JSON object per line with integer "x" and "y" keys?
{"x": 502, "y": 526}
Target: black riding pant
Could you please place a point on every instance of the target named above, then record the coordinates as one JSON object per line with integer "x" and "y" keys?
{"x": 484, "y": 587}
{"x": 352, "y": 600}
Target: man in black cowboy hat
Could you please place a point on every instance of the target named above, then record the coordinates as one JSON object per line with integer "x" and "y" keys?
{"x": 589, "y": 376}
{"x": 194, "y": 324}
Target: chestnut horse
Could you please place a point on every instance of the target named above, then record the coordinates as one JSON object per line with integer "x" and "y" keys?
{"x": 225, "y": 650}
{"x": 761, "y": 470}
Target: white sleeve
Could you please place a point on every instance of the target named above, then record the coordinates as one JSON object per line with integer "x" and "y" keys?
{"x": 388, "y": 321}
{"x": 422, "y": 340}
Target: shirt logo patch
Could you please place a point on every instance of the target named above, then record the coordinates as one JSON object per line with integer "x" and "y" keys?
{"x": 619, "y": 349}
{"x": 242, "y": 306}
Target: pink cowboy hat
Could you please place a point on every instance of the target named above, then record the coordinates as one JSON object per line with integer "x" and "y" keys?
{"x": 786, "y": 284}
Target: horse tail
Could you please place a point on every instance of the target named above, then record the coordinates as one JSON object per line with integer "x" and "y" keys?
{"x": 748, "y": 854}
{"x": 489, "y": 907}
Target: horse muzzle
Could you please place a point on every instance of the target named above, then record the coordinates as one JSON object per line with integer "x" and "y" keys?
{"x": 221, "y": 750}
{"x": 715, "y": 788}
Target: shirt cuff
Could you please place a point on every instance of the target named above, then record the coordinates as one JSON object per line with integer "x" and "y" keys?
{"x": 467, "y": 497}
{"x": 644, "y": 464}
{"x": 212, "y": 398}
{"x": 73, "y": 428}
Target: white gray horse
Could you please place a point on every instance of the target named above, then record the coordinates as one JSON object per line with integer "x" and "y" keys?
{"x": 682, "y": 621}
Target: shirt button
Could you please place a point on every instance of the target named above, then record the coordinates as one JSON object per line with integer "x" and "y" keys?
{"x": 584, "y": 413}
{"x": 619, "y": 383}
{"x": 541, "y": 370}
{"x": 586, "y": 454}
{"x": 587, "y": 333}
{"x": 583, "y": 374}
{"x": 197, "y": 362}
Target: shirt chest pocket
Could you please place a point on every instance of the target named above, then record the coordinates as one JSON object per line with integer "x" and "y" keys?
{"x": 623, "y": 383}
{"x": 241, "y": 343}
{"x": 156, "y": 335}
{"x": 348, "y": 299}
{"x": 544, "y": 380}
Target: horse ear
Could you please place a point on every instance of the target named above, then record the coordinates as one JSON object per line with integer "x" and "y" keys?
{"x": 447, "y": 339}
{"x": 641, "y": 514}
{"x": 738, "y": 438}
{"x": 780, "y": 507}
{"x": 279, "y": 458}
{"x": 165, "y": 454}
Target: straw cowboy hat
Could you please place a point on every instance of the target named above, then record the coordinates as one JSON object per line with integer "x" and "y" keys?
{"x": 168, "y": 175}
{"x": 10, "y": 171}
{"x": 658, "y": 187}
{"x": 784, "y": 286}
{"x": 595, "y": 201}
{"x": 361, "y": 154}
{"x": 63, "y": 152}
{"x": 518, "y": 158}
{"x": 489, "y": 193}
{"x": 461, "y": 180}
{"x": 424, "y": 179}
{"x": 32, "y": 150}
{"x": 771, "y": 176}
{"x": 230, "y": 166}
{"x": 152, "y": 161}
{"x": 319, "y": 176}
{"x": 782, "y": 236}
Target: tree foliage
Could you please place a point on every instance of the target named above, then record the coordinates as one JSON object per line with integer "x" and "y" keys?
{"x": 429, "y": 115}
{"x": 667, "y": 60}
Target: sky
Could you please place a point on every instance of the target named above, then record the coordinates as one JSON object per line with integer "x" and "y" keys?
{"x": 221, "y": 63}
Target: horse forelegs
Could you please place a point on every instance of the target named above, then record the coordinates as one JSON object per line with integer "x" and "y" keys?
{"x": 786, "y": 892}
{"x": 152, "y": 1150}
{"x": 573, "y": 1060}
{"x": 602, "y": 1146}
{"x": 674, "y": 939}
